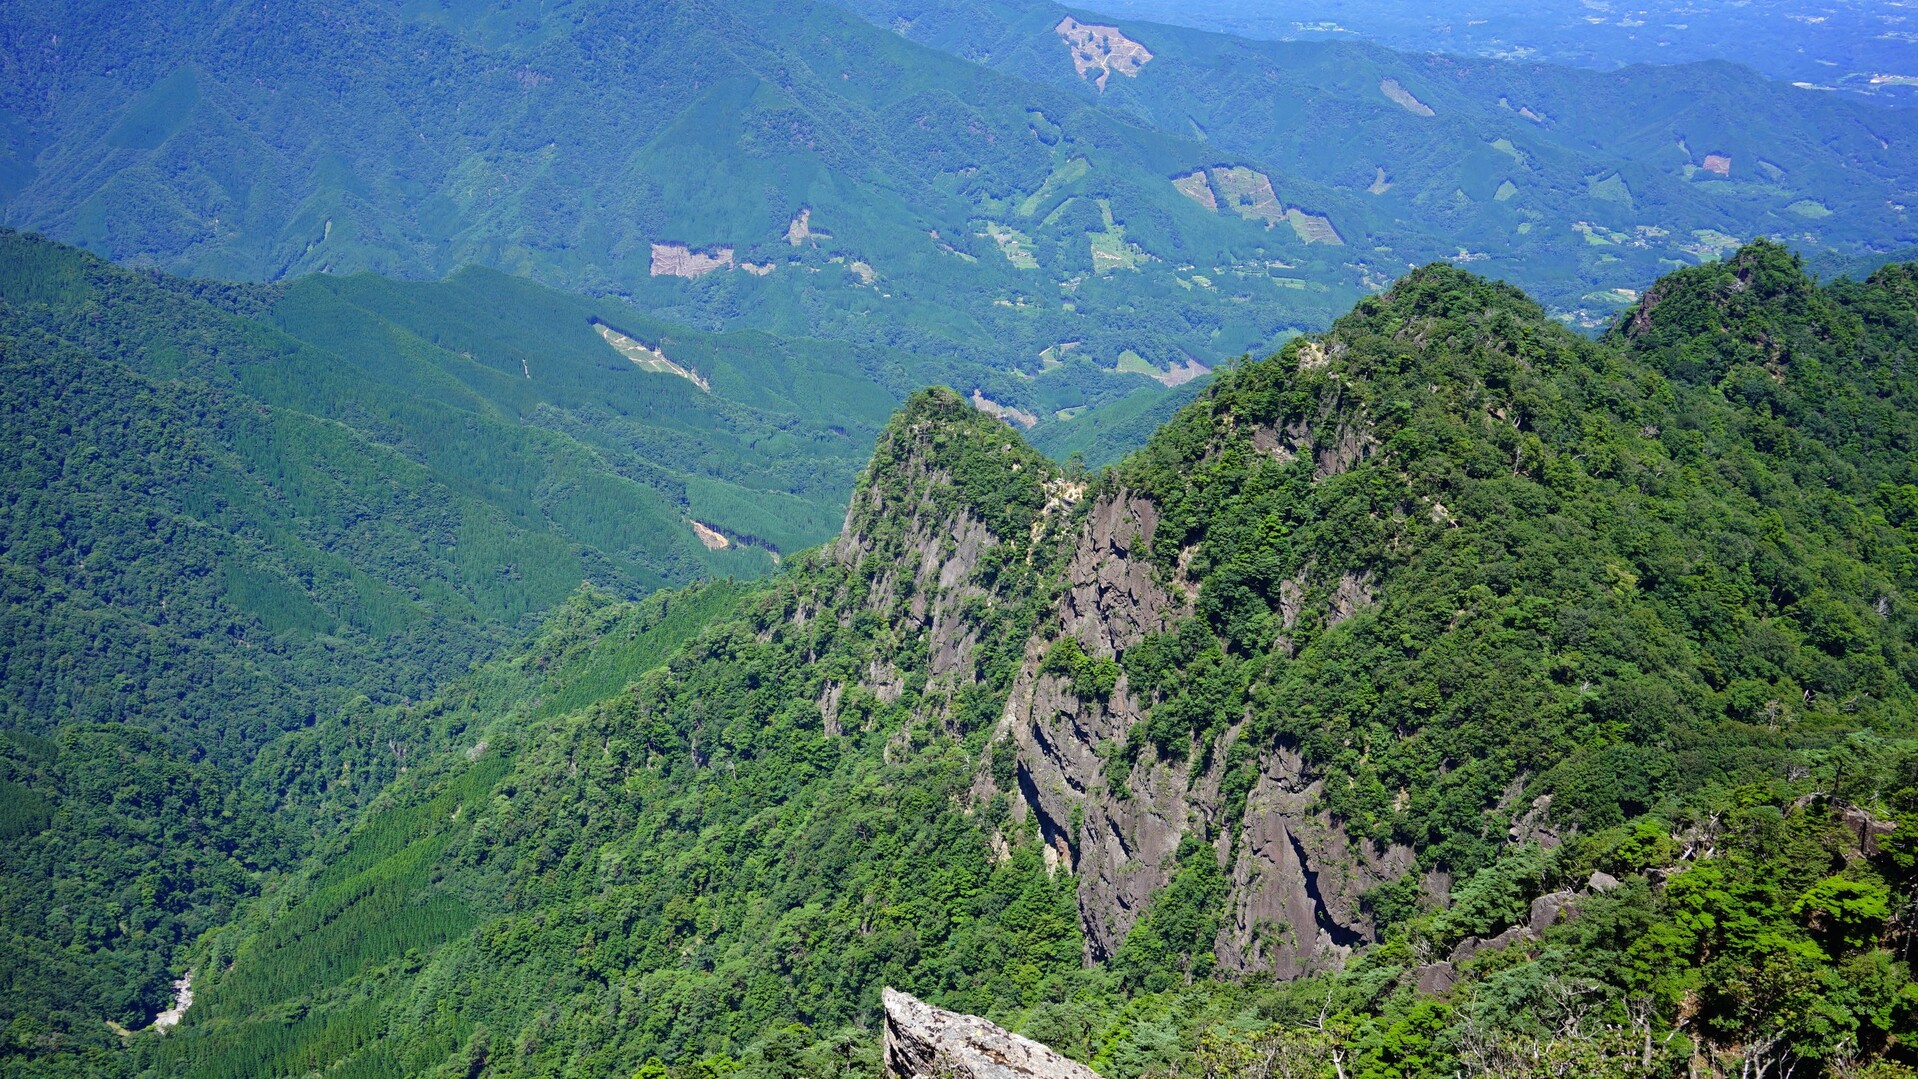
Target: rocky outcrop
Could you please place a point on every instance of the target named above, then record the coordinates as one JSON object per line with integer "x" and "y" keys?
{"x": 1122, "y": 849}
{"x": 1112, "y": 600}
{"x": 1546, "y": 911}
{"x": 913, "y": 553}
{"x": 1296, "y": 877}
{"x": 919, "y": 577}
{"x": 924, "y": 1042}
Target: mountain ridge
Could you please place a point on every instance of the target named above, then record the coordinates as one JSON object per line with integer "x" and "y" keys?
{"x": 1377, "y": 642}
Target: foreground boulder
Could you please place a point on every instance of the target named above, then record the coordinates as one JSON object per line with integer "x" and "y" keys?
{"x": 924, "y": 1042}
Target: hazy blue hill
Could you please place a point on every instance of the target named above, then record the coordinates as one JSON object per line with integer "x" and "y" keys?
{"x": 766, "y": 455}
{"x": 1836, "y": 46}
{"x": 567, "y": 146}
{"x": 230, "y": 503}
{"x": 801, "y": 170}
{"x": 1624, "y": 151}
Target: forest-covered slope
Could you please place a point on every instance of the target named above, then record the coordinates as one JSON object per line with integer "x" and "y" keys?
{"x": 247, "y": 528}
{"x": 223, "y": 501}
{"x": 1517, "y": 700}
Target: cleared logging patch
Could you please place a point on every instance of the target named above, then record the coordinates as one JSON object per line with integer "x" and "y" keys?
{"x": 1070, "y": 172}
{"x": 1248, "y": 193}
{"x": 1110, "y": 249}
{"x": 1313, "y": 228}
{"x": 1015, "y": 245}
{"x": 1131, "y": 363}
{"x": 1610, "y": 188}
{"x": 800, "y": 229}
{"x": 648, "y": 358}
{"x": 1404, "y": 99}
{"x": 1101, "y": 48}
{"x": 678, "y": 260}
{"x": 1193, "y": 186}
{"x": 1004, "y": 413}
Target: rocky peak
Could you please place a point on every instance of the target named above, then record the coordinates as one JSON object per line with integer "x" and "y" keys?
{"x": 924, "y": 1042}
{"x": 1745, "y": 309}
{"x": 940, "y": 455}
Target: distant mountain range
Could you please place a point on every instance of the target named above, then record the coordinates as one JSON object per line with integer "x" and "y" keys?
{"x": 1040, "y": 192}
{"x": 1857, "y": 47}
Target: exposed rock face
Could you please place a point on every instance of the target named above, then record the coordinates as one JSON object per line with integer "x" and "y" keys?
{"x": 916, "y": 555}
{"x": 923, "y": 562}
{"x": 1547, "y": 911}
{"x": 924, "y": 1042}
{"x": 1112, "y": 600}
{"x": 1123, "y": 850}
{"x": 1296, "y": 877}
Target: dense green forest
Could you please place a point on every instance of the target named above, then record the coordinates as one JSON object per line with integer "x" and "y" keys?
{"x": 248, "y": 528}
{"x": 225, "y": 503}
{"x": 1607, "y": 645}
{"x": 462, "y": 641}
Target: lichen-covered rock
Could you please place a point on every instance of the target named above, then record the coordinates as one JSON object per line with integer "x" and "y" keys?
{"x": 924, "y": 1042}
{"x": 1552, "y": 908}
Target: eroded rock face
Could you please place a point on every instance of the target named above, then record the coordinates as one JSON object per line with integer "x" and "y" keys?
{"x": 1297, "y": 880}
{"x": 1122, "y": 851}
{"x": 933, "y": 567}
{"x": 1296, "y": 876}
{"x": 916, "y": 559}
{"x": 924, "y": 1042}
